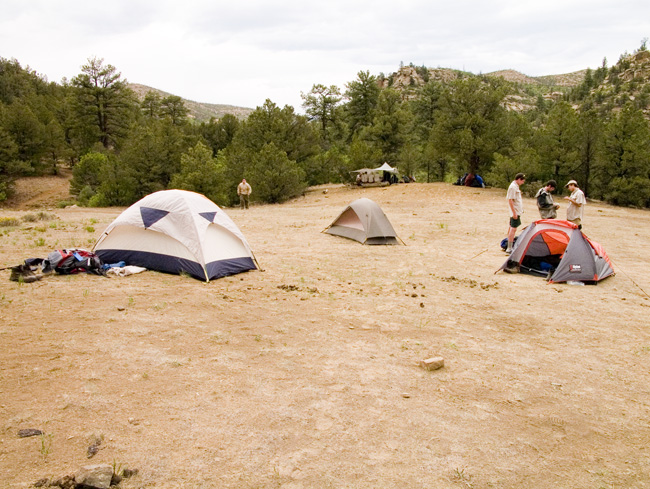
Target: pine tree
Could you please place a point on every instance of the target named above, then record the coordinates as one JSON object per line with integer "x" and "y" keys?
{"x": 471, "y": 123}
{"x": 105, "y": 105}
{"x": 622, "y": 170}
{"x": 363, "y": 96}
{"x": 320, "y": 105}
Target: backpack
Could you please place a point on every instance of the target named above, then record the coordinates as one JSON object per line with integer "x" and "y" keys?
{"x": 504, "y": 243}
{"x": 68, "y": 262}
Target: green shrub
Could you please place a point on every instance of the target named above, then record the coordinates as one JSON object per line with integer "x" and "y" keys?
{"x": 98, "y": 200}
{"x": 85, "y": 195}
{"x": 87, "y": 173}
{"x": 62, "y": 204}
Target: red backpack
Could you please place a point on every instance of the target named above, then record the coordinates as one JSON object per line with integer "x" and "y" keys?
{"x": 76, "y": 261}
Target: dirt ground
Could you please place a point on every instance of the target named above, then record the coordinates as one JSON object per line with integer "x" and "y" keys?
{"x": 306, "y": 374}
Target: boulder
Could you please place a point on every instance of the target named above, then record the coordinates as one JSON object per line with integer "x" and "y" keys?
{"x": 94, "y": 476}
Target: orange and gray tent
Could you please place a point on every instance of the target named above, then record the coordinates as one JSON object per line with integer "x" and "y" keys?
{"x": 177, "y": 231}
{"x": 365, "y": 222}
{"x": 572, "y": 255}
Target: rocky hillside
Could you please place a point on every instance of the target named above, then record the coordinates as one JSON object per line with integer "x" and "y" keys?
{"x": 198, "y": 111}
{"x": 527, "y": 89}
{"x": 635, "y": 67}
{"x": 413, "y": 77}
{"x": 628, "y": 81}
{"x": 408, "y": 78}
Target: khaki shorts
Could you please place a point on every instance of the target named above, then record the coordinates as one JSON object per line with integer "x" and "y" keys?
{"x": 577, "y": 221}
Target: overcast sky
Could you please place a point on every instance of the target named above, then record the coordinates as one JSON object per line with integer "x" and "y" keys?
{"x": 241, "y": 52}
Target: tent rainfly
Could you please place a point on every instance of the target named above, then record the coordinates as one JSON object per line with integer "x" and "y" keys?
{"x": 365, "y": 222}
{"x": 561, "y": 251}
{"x": 177, "y": 231}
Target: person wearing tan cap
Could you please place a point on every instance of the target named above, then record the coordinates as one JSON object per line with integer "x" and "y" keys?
{"x": 577, "y": 203}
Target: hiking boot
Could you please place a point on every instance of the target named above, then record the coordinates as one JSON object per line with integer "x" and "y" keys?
{"x": 22, "y": 273}
{"x": 514, "y": 269}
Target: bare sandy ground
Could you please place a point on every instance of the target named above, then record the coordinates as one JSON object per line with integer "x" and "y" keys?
{"x": 305, "y": 375}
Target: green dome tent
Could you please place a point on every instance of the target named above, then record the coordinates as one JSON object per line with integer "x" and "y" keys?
{"x": 365, "y": 222}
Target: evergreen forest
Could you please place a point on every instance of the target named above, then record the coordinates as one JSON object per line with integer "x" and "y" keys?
{"x": 120, "y": 147}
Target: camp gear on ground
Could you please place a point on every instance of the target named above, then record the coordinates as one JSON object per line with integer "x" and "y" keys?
{"x": 69, "y": 262}
{"x": 24, "y": 273}
{"x": 63, "y": 262}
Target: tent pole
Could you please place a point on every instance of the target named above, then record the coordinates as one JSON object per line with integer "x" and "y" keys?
{"x": 478, "y": 254}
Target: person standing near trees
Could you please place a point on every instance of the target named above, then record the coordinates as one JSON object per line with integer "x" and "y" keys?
{"x": 243, "y": 190}
{"x": 547, "y": 208}
{"x": 577, "y": 203}
{"x": 516, "y": 206}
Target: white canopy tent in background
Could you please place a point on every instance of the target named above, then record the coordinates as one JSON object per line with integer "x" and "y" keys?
{"x": 375, "y": 175}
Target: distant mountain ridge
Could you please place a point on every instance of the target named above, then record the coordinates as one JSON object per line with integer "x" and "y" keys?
{"x": 199, "y": 111}
{"x": 566, "y": 80}
{"x": 406, "y": 79}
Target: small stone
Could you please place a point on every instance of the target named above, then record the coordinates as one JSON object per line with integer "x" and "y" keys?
{"x": 92, "y": 451}
{"x": 120, "y": 308}
{"x": 94, "y": 440}
{"x": 27, "y": 432}
{"x": 432, "y": 363}
{"x": 406, "y": 395}
{"x": 126, "y": 473}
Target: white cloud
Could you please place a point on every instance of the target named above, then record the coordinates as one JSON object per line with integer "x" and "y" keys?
{"x": 241, "y": 53}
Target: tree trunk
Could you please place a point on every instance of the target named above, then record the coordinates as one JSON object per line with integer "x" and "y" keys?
{"x": 474, "y": 162}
